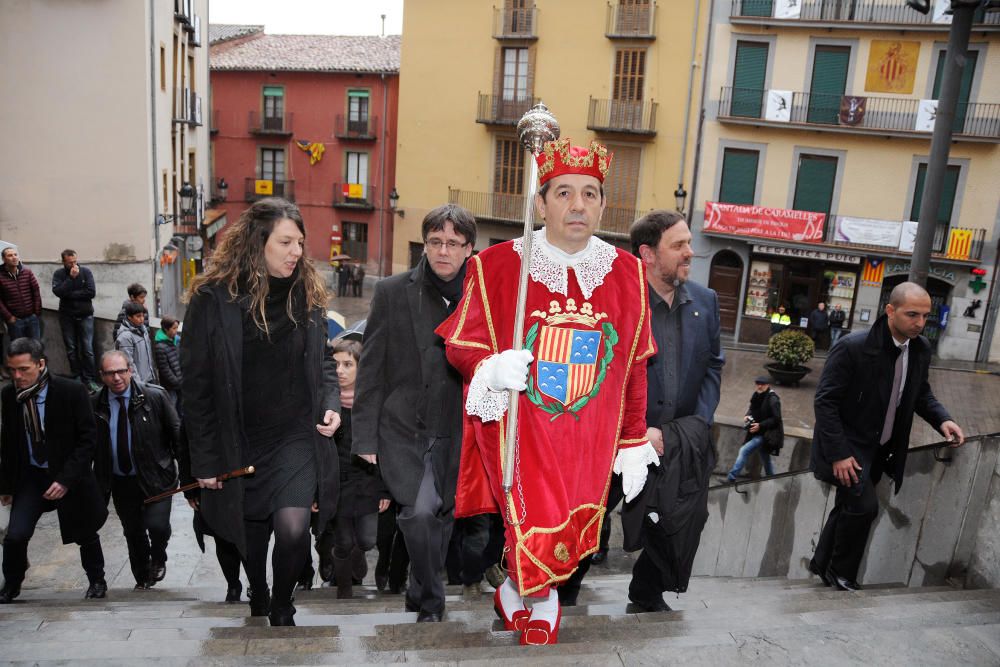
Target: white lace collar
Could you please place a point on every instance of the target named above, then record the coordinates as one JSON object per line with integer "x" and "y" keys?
{"x": 549, "y": 264}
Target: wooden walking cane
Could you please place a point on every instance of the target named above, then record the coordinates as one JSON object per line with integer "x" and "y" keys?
{"x": 249, "y": 470}
{"x": 535, "y": 128}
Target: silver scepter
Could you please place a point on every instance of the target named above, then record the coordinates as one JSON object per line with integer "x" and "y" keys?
{"x": 536, "y": 127}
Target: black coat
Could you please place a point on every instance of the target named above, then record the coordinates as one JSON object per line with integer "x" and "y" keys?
{"x": 768, "y": 415}
{"x": 76, "y": 295}
{"x": 156, "y": 431}
{"x": 212, "y": 364}
{"x": 852, "y": 398}
{"x": 408, "y": 396}
{"x": 70, "y": 436}
{"x": 361, "y": 485}
{"x": 168, "y": 364}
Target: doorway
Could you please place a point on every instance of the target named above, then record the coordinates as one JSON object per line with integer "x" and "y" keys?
{"x": 725, "y": 278}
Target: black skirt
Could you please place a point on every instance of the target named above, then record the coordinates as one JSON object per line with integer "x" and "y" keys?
{"x": 284, "y": 476}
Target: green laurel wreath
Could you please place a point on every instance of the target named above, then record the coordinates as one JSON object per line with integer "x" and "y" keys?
{"x": 555, "y": 408}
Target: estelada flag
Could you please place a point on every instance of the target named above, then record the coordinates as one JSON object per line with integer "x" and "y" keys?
{"x": 873, "y": 272}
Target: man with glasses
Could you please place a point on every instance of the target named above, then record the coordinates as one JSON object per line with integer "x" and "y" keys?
{"x": 138, "y": 433}
{"x": 46, "y": 450}
{"x": 407, "y": 413}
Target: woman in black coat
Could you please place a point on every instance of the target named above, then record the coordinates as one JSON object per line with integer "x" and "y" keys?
{"x": 258, "y": 391}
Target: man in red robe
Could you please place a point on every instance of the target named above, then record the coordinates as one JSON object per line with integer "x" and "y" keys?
{"x": 581, "y": 378}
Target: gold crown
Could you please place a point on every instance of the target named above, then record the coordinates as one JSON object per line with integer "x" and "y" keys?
{"x": 559, "y": 157}
{"x": 571, "y": 314}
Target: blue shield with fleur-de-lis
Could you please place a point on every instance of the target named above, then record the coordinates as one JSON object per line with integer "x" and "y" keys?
{"x": 567, "y": 362}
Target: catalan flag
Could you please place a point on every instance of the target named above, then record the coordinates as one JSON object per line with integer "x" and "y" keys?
{"x": 314, "y": 148}
{"x": 873, "y": 272}
{"x": 959, "y": 243}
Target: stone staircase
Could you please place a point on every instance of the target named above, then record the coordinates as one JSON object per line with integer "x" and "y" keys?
{"x": 719, "y": 621}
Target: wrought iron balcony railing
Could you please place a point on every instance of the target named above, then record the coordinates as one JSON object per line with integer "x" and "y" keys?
{"x": 363, "y": 129}
{"x": 850, "y": 13}
{"x": 631, "y": 21}
{"x": 270, "y": 124}
{"x": 496, "y": 110}
{"x": 622, "y": 116}
{"x": 515, "y": 23}
{"x": 357, "y": 195}
{"x": 863, "y": 114}
{"x": 258, "y": 188}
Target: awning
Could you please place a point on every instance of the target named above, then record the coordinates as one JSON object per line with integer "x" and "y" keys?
{"x": 215, "y": 219}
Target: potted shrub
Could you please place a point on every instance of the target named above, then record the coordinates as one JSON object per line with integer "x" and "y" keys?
{"x": 789, "y": 349}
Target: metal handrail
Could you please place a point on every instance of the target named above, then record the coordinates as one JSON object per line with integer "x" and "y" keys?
{"x": 886, "y": 12}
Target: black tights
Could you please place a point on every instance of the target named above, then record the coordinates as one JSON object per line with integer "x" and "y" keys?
{"x": 291, "y": 548}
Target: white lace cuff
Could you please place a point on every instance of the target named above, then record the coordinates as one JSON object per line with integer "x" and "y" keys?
{"x": 483, "y": 402}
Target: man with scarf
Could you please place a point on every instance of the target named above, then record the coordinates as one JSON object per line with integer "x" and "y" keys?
{"x": 407, "y": 413}
{"x": 47, "y": 444}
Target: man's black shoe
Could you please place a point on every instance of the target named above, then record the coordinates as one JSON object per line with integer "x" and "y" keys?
{"x": 842, "y": 583}
{"x": 599, "y": 557}
{"x": 157, "y": 570}
{"x": 428, "y": 617}
{"x": 8, "y": 593}
{"x": 233, "y": 593}
{"x": 97, "y": 590}
{"x": 819, "y": 572}
{"x": 283, "y": 616}
{"x": 645, "y": 606}
{"x": 260, "y": 603}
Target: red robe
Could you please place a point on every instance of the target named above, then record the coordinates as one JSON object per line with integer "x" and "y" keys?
{"x": 586, "y": 398}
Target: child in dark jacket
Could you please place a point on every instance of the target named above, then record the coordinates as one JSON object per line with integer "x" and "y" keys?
{"x": 168, "y": 358}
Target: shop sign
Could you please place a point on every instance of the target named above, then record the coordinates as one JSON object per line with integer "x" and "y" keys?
{"x": 807, "y": 253}
{"x": 770, "y": 223}
{"x": 895, "y": 268}
{"x": 865, "y": 231}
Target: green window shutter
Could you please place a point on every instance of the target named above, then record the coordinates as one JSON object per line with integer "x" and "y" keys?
{"x": 739, "y": 176}
{"x": 948, "y": 193}
{"x": 829, "y": 82}
{"x": 357, "y": 93}
{"x": 756, "y": 7}
{"x": 274, "y": 91}
{"x": 748, "y": 78}
{"x": 964, "y": 88}
{"x": 814, "y": 183}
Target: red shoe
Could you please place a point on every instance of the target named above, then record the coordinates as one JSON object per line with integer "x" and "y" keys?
{"x": 539, "y": 632}
{"x": 519, "y": 619}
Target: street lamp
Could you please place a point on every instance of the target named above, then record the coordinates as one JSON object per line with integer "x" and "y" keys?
{"x": 394, "y": 202}
{"x": 221, "y": 190}
{"x": 187, "y": 194}
{"x": 680, "y": 196}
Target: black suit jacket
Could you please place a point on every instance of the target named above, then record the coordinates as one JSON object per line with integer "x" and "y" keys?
{"x": 408, "y": 396}
{"x": 70, "y": 437}
{"x": 852, "y": 398}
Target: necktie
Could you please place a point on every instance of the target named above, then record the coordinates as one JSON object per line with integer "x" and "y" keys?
{"x": 890, "y": 413}
{"x": 124, "y": 460}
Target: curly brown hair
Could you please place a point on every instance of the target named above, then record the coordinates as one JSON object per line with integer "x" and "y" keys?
{"x": 238, "y": 262}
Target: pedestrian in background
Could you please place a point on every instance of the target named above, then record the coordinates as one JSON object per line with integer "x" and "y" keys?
{"x": 837, "y": 317}
{"x": 133, "y": 340}
{"x": 20, "y": 298}
{"x": 136, "y": 294}
{"x": 764, "y": 427}
{"x": 780, "y": 320}
{"x": 258, "y": 390}
{"x": 819, "y": 325}
{"x": 168, "y": 359}
{"x": 74, "y": 285}
{"x": 358, "y": 279}
{"x": 343, "y": 278}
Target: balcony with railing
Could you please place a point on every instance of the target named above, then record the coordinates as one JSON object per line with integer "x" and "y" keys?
{"x": 270, "y": 124}
{"x": 617, "y": 220}
{"x": 259, "y": 188}
{"x": 630, "y": 21}
{"x": 354, "y": 195}
{"x": 853, "y": 14}
{"x": 496, "y": 110}
{"x": 490, "y": 206}
{"x": 887, "y": 116}
{"x": 622, "y": 116}
{"x": 515, "y": 23}
{"x": 945, "y": 245}
{"x": 365, "y": 129}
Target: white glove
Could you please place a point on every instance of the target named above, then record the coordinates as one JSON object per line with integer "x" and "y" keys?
{"x": 507, "y": 370}
{"x": 631, "y": 465}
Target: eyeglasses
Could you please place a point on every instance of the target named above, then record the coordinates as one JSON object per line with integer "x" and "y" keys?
{"x": 437, "y": 244}
{"x": 118, "y": 371}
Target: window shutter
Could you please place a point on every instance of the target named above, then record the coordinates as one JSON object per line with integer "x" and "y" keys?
{"x": 814, "y": 183}
{"x": 948, "y": 192}
{"x": 748, "y": 79}
{"x": 630, "y": 73}
{"x": 829, "y": 81}
{"x": 508, "y": 167}
{"x": 964, "y": 88}
{"x": 739, "y": 176}
{"x": 532, "y": 54}
{"x": 621, "y": 188}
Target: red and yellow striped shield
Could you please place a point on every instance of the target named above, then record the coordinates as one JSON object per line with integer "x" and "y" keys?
{"x": 567, "y": 362}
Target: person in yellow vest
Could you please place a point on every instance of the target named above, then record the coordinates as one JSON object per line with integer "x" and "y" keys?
{"x": 780, "y": 320}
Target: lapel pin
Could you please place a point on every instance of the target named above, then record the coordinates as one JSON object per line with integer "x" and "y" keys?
{"x": 696, "y": 313}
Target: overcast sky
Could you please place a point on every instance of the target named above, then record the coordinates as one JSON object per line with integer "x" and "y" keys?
{"x": 312, "y": 17}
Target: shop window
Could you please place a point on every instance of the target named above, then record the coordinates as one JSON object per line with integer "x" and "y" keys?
{"x": 749, "y": 72}
{"x": 739, "y": 176}
{"x": 763, "y": 289}
{"x": 814, "y": 183}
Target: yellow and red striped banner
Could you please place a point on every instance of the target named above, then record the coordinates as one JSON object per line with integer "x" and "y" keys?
{"x": 873, "y": 272}
{"x": 959, "y": 243}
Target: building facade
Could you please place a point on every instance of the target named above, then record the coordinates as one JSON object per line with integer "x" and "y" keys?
{"x": 814, "y": 150}
{"x": 626, "y": 74}
{"x": 311, "y": 118}
{"x": 103, "y": 135}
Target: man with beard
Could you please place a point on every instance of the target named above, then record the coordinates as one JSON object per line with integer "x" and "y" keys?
{"x": 683, "y": 378}
{"x": 407, "y": 413}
